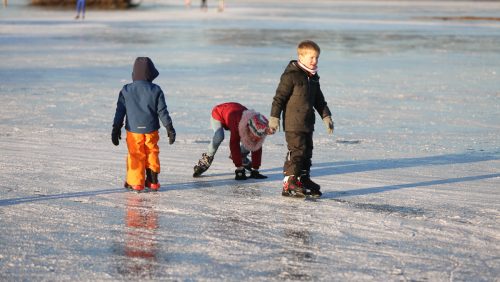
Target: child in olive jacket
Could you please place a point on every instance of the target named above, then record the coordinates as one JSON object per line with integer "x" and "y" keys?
{"x": 297, "y": 97}
{"x": 143, "y": 104}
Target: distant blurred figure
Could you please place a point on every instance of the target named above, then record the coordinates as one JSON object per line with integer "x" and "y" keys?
{"x": 80, "y": 7}
{"x": 5, "y": 3}
{"x": 221, "y": 6}
{"x": 204, "y": 5}
{"x": 187, "y": 3}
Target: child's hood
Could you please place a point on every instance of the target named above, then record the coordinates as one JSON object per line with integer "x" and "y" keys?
{"x": 144, "y": 69}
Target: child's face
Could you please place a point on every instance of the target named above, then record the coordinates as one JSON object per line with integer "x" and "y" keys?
{"x": 253, "y": 137}
{"x": 309, "y": 58}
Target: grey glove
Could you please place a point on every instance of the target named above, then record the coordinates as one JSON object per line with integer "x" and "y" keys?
{"x": 274, "y": 124}
{"x": 328, "y": 124}
{"x": 171, "y": 133}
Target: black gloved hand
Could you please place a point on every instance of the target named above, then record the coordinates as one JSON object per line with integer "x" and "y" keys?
{"x": 116, "y": 135}
{"x": 240, "y": 174}
{"x": 171, "y": 134}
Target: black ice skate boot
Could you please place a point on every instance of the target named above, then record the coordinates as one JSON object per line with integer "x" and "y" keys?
{"x": 311, "y": 187}
{"x": 203, "y": 164}
{"x": 152, "y": 180}
{"x": 292, "y": 187}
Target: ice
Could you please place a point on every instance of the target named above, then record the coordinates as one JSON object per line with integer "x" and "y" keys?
{"x": 410, "y": 178}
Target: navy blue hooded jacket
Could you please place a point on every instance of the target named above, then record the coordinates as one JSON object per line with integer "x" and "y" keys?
{"x": 142, "y": 101}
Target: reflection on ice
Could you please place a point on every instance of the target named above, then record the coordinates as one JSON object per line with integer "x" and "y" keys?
{"x": 140, "y": 249}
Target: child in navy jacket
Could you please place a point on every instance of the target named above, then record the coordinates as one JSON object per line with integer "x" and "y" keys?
{"x": 143, "y": 104}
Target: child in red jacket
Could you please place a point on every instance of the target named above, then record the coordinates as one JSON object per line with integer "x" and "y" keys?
{"x": 248, "y": 132}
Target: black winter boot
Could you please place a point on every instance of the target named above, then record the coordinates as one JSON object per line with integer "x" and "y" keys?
{"x": 254, "y": 173}
{"x": 152, "y": 180}
{"x": 240, "y": 174}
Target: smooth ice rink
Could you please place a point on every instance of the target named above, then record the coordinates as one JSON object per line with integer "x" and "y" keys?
{"x": 411, "y": 176}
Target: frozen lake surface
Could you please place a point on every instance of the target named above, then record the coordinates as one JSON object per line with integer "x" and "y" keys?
{"x": 410, "y": 177}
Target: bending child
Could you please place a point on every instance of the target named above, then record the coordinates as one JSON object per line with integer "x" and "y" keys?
{"x": 248, "y": 131}
{"x": 297, "y": 96}
{"x": 143, "y": 104}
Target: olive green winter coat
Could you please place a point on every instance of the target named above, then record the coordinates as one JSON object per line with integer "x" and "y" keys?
{"x": 296, "y": 97}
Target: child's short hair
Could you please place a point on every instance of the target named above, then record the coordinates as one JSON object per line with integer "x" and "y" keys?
{"x": 307, "y": 45}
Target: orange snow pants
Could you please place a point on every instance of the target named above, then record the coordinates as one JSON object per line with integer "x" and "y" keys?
{"x": 143, "y": 153}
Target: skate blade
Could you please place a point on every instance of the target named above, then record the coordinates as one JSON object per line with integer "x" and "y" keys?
{"x": 293, "y": 195}
{"x": 198, "y": 172}
{"x": 311, "y": 194}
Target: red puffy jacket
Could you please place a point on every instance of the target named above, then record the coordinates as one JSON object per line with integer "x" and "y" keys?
{"x": 229, "y": 114}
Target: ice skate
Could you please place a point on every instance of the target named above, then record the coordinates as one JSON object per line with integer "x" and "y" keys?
{"x": 292, "y": 187}
{"x": 203, "y": 164}
{"x": 312, "y": 188}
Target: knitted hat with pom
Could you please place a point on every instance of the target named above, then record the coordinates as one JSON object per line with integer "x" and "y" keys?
{"x": 258, "y": 125}
{"x": 252, "y": 123}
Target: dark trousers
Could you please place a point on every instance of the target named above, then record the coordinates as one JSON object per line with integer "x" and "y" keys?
{"x": 300, "y": 148}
